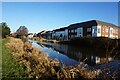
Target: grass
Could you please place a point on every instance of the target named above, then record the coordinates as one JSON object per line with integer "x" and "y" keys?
{"x": 0, "y": 58}
{"x": 10, "y": 66}
{"x": 41, "y": 66}
{"x": 21, "y": 60}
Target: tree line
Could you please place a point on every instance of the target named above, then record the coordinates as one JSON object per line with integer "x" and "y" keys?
{"x": 6, "y": 31}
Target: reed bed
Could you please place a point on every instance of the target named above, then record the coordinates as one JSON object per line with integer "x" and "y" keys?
{"x": 40, "y": 66}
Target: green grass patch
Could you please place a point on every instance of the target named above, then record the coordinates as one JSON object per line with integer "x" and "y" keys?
{"x": 0, "y": 58}
{"x": 10, "y": 67}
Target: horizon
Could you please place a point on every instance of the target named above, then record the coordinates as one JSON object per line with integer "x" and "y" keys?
{"x": 39, "y": 16}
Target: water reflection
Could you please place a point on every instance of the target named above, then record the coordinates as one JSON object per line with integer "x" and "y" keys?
{"x": 63, "y": 59}
{"x": 71, "y": 55}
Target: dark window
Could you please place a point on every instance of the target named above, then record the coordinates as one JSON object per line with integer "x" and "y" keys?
{"x": 75, "y": 30}
{"x": 98, "y": 30}
{"x": 88, "y": 29}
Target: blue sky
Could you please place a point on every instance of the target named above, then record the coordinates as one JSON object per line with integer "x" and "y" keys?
{"x": 119, "y": 14}
{"x": 60, "y": 0}
{"x": 38, "y": 16}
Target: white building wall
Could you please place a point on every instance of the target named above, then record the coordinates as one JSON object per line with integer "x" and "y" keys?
{"x": 98, "y": 31}
{"x": 53, "y": 34}
{"x": 66, "y": 34}
{"x": 79, "y": 32}
{"x": 94, "y": 31}
{"x": 30, "y": 36}
{"x": 111, "y": 32}
{"x": 116, "y": 31}
{"x": 59, "y": 33}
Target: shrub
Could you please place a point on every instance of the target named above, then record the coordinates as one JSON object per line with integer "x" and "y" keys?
{"x": 5, "y": 29}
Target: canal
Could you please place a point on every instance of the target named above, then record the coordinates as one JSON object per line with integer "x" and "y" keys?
{"x": 72, "y": 55}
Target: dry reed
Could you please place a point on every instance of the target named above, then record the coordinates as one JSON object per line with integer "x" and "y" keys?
{"x": 41, "y": 66}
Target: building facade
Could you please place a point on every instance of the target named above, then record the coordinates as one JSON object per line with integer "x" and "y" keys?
{"x": 93, "y": 28}
{"x": 119, "y": 32}
{"x": 60, "y": 34}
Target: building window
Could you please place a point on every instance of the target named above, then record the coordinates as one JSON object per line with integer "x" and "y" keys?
{"x": 106, "y": 29}
{"x": 80, "y": 32}
{"x": 116, "y": 31}
{"x": 93, "y": 31}
{"x": 98, "y": 30}
{"x": 75, "y": 30}
{"x": 111, "y": 31}
{"x": 69, "y": 36}
{"x": 103, "y": 29}
{"x": 72, "y": 30}
{"x": 88, "y": 29}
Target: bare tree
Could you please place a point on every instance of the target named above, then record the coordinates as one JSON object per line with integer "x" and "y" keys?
{"x": 22, "y": 31}
{"x": 111, "y": 47}
{"x": 107, "y": 43}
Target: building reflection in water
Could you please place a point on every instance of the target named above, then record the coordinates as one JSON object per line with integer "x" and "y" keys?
{"x": 81, "y": 54}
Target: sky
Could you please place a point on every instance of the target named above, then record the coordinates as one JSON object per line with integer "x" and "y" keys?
{"x": 60, "y": 0}
{"x": 38, "y": 16}
{"x": 119, "y": 14}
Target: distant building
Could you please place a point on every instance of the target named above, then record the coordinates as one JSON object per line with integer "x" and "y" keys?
{"x": 40, "y": 33}
{"x": 93, "y": 28}
{"x": 30, "y": 35}
{"x": 47, "y": 35}
{"x": 60, "y": 34}
{"x": 13, "y": 34}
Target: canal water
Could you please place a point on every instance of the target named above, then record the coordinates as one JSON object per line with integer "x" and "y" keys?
{"x": 72, "y": 55}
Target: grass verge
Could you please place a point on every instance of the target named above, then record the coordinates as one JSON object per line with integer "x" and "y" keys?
{"x": 10, "y": 67}
{"x": 0, "y": 57}
{"x": 41, "y": 66}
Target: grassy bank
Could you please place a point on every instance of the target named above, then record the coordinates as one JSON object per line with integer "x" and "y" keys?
{"x": 40, "y": 66}
{"x": 44, "y": 40}
{"x": 110, "y": 46}
{"x": 0, "y": 58}
{"x": 10, "y": 66}
{"x": 96, "y": 42}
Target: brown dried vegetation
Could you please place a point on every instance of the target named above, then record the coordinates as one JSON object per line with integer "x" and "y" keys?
{"x": 40, "y": 66}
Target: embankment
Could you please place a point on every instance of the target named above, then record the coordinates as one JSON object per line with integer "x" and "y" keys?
{"x": 40, "y": 66}
{"x": 96, "y": 42}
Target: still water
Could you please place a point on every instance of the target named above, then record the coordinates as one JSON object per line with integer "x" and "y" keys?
{"x": 73, "y": 55}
